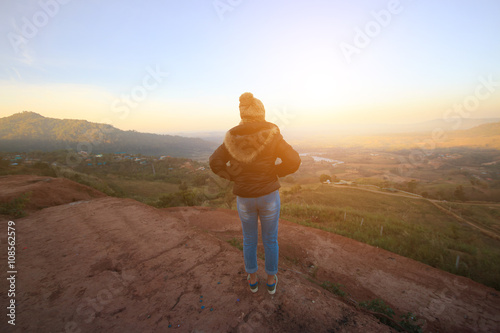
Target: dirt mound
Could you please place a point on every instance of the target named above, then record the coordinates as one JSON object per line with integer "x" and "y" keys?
{"x": 447, "y": 302}
{"x": 117, "y": 265}
{"x": 45, "y": 191}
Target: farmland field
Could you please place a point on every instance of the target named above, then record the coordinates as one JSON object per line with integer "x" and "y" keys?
{"x": 412, "y": 227}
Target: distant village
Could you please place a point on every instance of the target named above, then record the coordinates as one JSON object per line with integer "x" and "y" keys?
{"x": 98, "y": 160}
{"x": 19, "y": 159}
{"x": 349, "y": 171}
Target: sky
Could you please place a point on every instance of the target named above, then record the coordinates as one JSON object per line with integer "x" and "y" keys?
{"x": 177, "y": 66}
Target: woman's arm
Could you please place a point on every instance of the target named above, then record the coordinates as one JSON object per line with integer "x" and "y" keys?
{"x": 218, "y": 162}
{"x": 290, "y": 159}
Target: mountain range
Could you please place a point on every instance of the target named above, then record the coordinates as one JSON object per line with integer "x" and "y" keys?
{"x": 30, "y": 131}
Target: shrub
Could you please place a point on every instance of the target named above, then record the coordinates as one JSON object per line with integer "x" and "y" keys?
{"x": 295, "y": 189}
{"x": 460, "y": 193}
{"x": 236, "y": 243}
{"x": 181, "y": 198}
{"x": 378, "y": 306}
{"x": 335, "y": 288}
{"x": 408, "y": 322}
{"x": 200, "y": 180}
{"x": 183, "y": 186}
{"x": 323, "y": 178}
{"x": 15, "y": 207}
{"x": 44, "y": 169}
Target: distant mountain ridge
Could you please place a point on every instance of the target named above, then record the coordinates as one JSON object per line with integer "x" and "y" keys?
{"x": 482, "y": 136}
{"x": 490, "y": 129}
{"x": 29, "y": 131}
{"x": 451, "y": 124}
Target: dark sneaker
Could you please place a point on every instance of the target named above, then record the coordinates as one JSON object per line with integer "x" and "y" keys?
{"x": 271, "y": 288}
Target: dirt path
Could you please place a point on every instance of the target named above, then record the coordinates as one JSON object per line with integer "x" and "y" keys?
{"x": 489, "y": 233}
{"x": 415, "y": 196}
{"x": 109, "y": 264}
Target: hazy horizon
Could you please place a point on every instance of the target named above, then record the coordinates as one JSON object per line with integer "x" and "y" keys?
{"x": 340, "y": 129}
{"x": 424, "y": 135}
{"x": 169, "y": 67}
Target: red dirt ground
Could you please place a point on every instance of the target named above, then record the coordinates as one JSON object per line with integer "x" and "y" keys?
{"x": 116, "y": 265}
{"x": 45, "y": 191}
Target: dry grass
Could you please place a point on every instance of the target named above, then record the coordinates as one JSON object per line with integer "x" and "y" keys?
{"x": 410, "y": 227}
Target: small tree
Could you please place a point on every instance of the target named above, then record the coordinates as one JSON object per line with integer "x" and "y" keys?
{"x": 412, "y": 185}
{"x": 460, "y": 193}
{"x": 323, "y": 178}
{"x": 183, "y": 186}
{"x": 295, "y": 189}
{"x": 200, "y": 180}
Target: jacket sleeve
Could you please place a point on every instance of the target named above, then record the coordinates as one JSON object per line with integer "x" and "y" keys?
{"x": 290, "y": 159}
{"x": 218, "y": 162}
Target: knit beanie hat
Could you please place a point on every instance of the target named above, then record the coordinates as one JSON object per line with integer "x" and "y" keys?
{"x": 251, "y": 109}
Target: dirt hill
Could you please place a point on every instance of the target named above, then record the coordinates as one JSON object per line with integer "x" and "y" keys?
{"x": 116, "y": 265}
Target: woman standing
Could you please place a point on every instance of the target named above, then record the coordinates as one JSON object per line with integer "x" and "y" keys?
{"x": 248, "y": 157}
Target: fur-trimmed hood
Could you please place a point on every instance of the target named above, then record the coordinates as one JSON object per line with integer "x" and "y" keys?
{"x": 248, "y": 158}
{"x": 247, "y": 140}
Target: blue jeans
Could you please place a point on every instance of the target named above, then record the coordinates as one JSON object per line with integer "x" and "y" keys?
{"x": 267, "y": 207}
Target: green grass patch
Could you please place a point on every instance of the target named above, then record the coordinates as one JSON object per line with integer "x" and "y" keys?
{"x": 483, "y": 215}
{"x": 15, "y": 207}
{"x": 335, "y": 288}
{"x": 407, "y": 322}
{"x": 409, "y": 227}
{"x": 236, "y": 243}
{"x": 145, "y": 188}
{"x": 378, "y": 306}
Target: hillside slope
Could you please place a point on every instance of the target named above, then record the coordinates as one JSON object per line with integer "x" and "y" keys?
{"x": 28, "y": 131}
{"x": 109, "y": 264}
